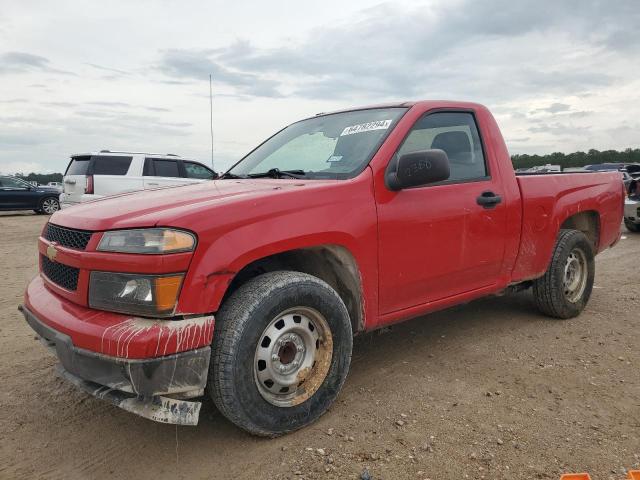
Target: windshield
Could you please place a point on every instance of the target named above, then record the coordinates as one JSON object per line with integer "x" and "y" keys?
{"x": 337, "y": 146}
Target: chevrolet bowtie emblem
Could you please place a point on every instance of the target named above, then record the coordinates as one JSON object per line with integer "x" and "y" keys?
{"x": 52, "y": 252}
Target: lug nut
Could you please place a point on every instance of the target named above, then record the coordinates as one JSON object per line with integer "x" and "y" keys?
{"x": 299, "y": 348}
{"x": 282, "y": 368}
{"x": 275, "y": 357}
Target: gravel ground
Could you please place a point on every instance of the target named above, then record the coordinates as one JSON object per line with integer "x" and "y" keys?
{"x": 491, "y": 390}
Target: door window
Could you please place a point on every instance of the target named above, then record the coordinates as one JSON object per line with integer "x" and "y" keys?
{"x": 111, "y": 165}
{"x": 195, "y": 170}
{"x": 13, "y": 184}
{"x": 162, "y": 168}
{"x": 457, "y": 134}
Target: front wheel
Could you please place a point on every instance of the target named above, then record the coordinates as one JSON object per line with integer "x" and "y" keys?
{"x": 281, "y": 352}
{"x": 48, "y": 206}
{"x": 631, "y": 226}
{"x": 564, "y": 290}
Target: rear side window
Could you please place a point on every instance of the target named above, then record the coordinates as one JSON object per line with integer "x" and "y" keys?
{"x": 111, "y": 165}
{"x": 98, "y": 165}
{"x": 78, "y": 166}
{"x": 195, "y": 170}
{"x": 160, "y": 167}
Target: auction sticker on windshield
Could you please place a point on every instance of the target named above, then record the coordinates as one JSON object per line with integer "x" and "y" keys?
{"x": 366, "y": 127}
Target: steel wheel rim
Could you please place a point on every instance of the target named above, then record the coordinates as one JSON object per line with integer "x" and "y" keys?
{"x": 50, "y": 206}
{"x": 575, "y": 275}
{"x": 293, "y": 356}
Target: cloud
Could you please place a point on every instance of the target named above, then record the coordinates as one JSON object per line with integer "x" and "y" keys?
{"x": 557, "y": 128}
{"x": 108, "y": 69}
{"x": 197, "y": 65}
{"x": 21, "y": 62}
{"x": 15, "y": 137}
{"x": 106, "y": 107}
{"x": 61, "y": 104}
{"x": 557, "y": 74}
{"x": 493, "y": 50}
{"x": 110, "y": 104}
{"x": 556, "y": 107}
{"x": 118, "y": 124}
{"x": 12, "y": 167}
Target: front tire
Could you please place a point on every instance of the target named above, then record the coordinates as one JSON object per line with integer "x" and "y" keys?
{"x": 281, "y": 352}
{"x": 631, "y": 226}
{"x": 564, "y": 290}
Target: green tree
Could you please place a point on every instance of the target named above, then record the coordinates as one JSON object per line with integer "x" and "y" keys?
{"x": 577, "y": 159}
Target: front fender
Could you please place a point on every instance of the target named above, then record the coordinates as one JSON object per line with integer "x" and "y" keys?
{"x": 344, "y": 215}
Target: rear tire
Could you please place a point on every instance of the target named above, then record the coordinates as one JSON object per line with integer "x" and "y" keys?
{"x": 281, "y": 352}
{"x": 632, "y": 227}
{"x": 48, "y": 206}
{"x": 564, "y": 290}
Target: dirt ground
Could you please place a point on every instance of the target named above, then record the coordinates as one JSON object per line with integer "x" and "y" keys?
{"x": 490, "y": 390}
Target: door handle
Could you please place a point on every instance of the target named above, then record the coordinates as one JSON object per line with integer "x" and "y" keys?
{"x": 153, "y": 183}
{"x": 488, "y": 199}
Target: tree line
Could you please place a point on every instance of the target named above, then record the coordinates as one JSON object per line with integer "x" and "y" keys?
{"x": 41, "y": 178}
{"x": 577, "y": 159}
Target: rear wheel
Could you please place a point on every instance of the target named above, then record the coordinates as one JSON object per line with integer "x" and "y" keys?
{"x": 48, "y": 206}
{"x": 564, "y": 290}
{"x": 281, "y": 352}
{"x": 631, "y": 226}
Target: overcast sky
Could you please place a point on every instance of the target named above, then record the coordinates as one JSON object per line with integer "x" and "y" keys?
{"x": 78, "y": 76}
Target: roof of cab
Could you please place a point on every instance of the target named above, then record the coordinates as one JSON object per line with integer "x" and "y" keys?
{"x": 409, "y": 104}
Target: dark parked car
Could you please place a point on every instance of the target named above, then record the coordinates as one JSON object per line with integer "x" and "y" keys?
{"x": 605, "y": 166}
{"x": 16, "y": 194}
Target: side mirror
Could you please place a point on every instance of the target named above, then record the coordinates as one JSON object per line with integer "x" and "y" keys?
{"x": 418, "y": 168}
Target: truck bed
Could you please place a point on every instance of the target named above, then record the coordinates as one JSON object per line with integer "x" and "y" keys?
{"x": 548, "y": 202}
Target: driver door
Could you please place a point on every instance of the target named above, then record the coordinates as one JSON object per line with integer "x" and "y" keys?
{"x": 438, "y": 240}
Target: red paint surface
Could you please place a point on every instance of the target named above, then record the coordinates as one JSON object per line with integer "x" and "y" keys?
{"x": 114, "y": 334}
{"x": 417, "y": 250}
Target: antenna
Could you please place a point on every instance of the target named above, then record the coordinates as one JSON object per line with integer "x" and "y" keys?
{"x": 211, "y": 117}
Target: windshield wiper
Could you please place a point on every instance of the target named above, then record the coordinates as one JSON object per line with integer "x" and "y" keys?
{"x": 277, "y": 173}
{"x": 230, "y": 175}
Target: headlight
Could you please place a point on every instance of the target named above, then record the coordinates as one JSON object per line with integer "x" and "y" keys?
{"x": 148, "y": 295}
{"x": 147, "y": 240}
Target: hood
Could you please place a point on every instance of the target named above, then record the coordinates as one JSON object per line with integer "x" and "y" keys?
{"x": 164, "y": 205}
{"x": 47, "y": 188}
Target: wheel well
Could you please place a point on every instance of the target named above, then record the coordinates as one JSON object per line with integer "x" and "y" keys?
{"x": 586, "y": 222}
{"x": 332, "y": 263}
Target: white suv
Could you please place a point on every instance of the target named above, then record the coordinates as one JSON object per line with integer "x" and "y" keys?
{"x": 94, "y": 175}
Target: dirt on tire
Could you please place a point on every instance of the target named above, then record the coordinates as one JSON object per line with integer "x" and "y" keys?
{"x": 492, "y": 389}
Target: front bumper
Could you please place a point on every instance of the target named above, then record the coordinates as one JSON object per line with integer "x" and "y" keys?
{"x": 137, "y": 385}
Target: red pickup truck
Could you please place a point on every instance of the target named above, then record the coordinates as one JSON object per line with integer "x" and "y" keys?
{"x": 338, "y": 224}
